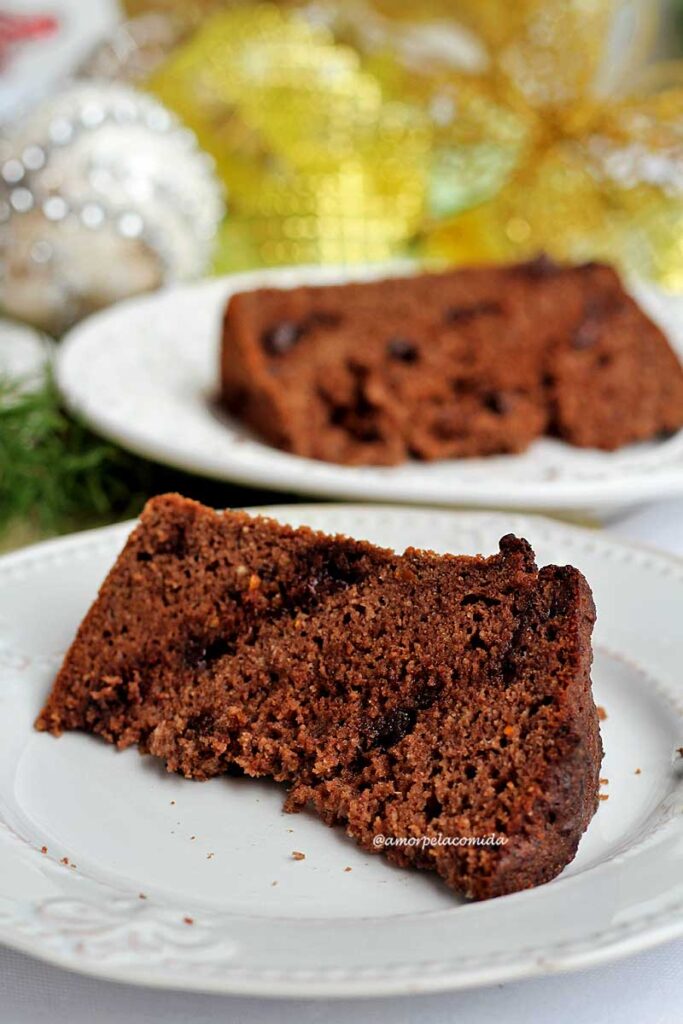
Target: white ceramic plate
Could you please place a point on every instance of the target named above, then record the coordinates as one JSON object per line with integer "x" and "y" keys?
{"x": 24, "y": 354}
{"x": 145, "y": 374}
{"x": 127, "y": 828}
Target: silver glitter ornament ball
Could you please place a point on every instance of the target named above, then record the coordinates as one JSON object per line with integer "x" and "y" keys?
{"x": 103, "y": 194}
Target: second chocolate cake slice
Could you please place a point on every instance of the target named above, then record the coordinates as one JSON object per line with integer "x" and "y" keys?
{"x": 433, "y": 699}
{"x": 469, "y": 362}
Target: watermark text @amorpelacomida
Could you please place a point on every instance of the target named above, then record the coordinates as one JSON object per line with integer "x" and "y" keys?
{"x": 380, "y": 841}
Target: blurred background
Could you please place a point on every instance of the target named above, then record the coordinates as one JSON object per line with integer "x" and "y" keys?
{"x": 154, "y": 141}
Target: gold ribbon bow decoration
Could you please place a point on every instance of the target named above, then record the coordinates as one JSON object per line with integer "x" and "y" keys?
{"x": 574, "y": 141}
{"x": 468, "y": 130}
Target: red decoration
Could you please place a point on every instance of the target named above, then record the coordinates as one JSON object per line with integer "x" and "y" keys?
{"x": 18, "y": 28}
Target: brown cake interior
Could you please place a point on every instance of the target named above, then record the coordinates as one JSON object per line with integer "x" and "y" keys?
{"x": 474, "y": 361}
{"x": 410, "y": 695}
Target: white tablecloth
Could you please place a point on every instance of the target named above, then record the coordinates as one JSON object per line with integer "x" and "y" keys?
{"x": 644, "y": 989}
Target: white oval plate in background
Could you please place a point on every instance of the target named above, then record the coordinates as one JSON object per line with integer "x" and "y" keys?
{"x": 145, "y": 374}
{"x": 150, "y": 878}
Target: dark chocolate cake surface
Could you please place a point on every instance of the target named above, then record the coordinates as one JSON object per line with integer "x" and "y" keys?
{"x": 470, "y": 362}
{"x": 415, "y": 695}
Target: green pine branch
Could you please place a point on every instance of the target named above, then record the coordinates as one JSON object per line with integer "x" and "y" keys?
{"x": 55, "y": 475}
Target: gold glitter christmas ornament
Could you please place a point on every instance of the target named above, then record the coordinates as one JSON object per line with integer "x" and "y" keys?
{"x": 319, "y": 166}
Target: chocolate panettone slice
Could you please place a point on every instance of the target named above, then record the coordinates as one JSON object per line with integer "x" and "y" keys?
{"x": 474, "y": 361}
{"x": 424, "y": 697}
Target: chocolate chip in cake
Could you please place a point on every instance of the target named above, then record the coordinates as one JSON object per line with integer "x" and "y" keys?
{"x": 387, "y": 730}
{"x": 489, "y": 602}
{"x": 541, "y": 266}
{"x": 463, "y": 314}
{"x": 281, "y": 337}
{"x": 325, "y": 318}
{"x": 433, "y": 807}
{"x": 200, "y": 652}
{"x": 597, "y": 309}
{"x": 402, "y": 349}
{"x": 476, "y": 642}
{"x": 499, "y": 402}
{"x": 170, "y": 542}
{"x": 202, "y": 723}
{"x": 585, "y": 335}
